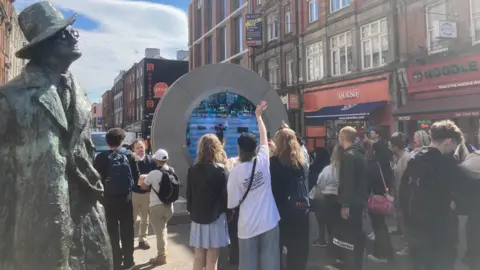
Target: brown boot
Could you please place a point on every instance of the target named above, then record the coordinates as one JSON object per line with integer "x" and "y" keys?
{"x": 158, "y": 260}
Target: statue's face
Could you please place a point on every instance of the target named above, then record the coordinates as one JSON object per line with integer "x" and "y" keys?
{"x": 65, "y": 45}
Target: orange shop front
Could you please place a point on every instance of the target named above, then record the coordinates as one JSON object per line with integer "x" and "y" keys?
{"x": 362, "y": 103}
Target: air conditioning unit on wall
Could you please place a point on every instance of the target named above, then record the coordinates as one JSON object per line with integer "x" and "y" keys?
{"x": 444, "y": 30}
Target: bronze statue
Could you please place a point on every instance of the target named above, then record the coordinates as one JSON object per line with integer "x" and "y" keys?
{"x": 50, "y": 215}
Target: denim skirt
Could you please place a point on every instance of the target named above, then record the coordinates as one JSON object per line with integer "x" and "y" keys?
{"x": 213, "y": 235}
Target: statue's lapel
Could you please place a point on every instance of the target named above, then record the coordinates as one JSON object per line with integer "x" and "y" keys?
{"x": 50, "y": 100}
{"x": 81, "y": 110}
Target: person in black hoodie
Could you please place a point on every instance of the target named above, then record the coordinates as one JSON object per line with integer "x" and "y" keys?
{"x": 380, "y": 176}
{"x": 353, "y": 195}
{"x": 141, "y": 198}
{"x": 431, "y": 187}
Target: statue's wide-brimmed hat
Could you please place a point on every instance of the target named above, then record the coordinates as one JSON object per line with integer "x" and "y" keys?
{"x": 39, "y": 22}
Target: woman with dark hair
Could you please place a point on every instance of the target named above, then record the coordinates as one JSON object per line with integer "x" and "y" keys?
{"x": 380, "y": 177}
{"x": 322, "y": 159}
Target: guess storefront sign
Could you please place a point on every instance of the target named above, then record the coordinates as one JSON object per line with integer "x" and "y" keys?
{"x": 349, "y": 94}
{"x": 455, "y": 73}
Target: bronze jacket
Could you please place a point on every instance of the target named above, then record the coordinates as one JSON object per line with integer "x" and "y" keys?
{"x": 50, "y": 217}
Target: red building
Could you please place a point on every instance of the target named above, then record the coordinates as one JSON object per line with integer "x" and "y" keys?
{"x": 108, "y": 115}
{"x": 441, "y": 79}
{"x": 5, "y": 39}
{"x": 129, "y": 98}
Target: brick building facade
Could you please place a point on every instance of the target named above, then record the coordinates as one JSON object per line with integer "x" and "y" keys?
{"x": 216, "y": 32}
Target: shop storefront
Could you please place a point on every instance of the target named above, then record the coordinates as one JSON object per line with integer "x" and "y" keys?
{"x": 361, "y": 103}
{"x": 444, "y": 90}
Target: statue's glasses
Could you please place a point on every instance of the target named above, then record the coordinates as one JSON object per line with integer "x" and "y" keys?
{"x": 69, "y": 33}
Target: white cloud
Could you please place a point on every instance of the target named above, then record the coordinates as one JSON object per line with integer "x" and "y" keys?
{"x": 125, "y": 29}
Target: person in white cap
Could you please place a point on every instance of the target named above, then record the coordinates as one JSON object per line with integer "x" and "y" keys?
{"x": 160, "y": 210}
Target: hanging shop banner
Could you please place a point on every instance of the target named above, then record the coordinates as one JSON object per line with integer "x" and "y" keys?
{"x": 253, "y": 26}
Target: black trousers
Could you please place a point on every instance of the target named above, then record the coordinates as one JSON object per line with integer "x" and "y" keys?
{"x": 473, "y": 241}
{"x": 351, "y": 231}
{"x": 332, "y": 221}
{"x": 119, "y": 215}
{"x": 294, "y": 235}
{"x": 233, "y": 233}
{"x": 382, "y": 246}
{"x": 327, "y": 211}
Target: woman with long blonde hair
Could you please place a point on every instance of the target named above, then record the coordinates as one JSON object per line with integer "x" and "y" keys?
{"x": 289, "y": 171}
{"x": 207, "y": 202}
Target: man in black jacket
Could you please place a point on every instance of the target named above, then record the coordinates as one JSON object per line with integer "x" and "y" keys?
{"x": 353, "y": 195}
{"x": 118, "y": 170}
{"x": 431, "y": 190}
{"x": 141, "y": 198}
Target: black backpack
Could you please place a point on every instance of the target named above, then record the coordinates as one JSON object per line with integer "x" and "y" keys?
{"x": 169, "y": 187}
{"x": 298, "y": 202}
{"x": 119, "y": 179}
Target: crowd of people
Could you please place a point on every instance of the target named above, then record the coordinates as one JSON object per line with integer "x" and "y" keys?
{"x": 136, "y": 184}
{"x": 258, "y": 203}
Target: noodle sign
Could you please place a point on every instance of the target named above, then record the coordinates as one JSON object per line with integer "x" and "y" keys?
{"x": 160, "y": 89}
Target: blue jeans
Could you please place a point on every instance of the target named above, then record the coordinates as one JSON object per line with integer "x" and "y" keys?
{"x": 264, "y": 247}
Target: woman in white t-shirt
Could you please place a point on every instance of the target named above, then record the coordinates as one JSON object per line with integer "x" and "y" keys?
{"x": 258, "y": 230}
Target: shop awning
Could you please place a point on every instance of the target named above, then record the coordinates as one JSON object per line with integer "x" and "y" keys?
{"x": 440, "y": 108}
{"x": 345, "y": 112}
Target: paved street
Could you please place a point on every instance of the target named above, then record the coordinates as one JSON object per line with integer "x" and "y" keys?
{"x": 181, "y": 256}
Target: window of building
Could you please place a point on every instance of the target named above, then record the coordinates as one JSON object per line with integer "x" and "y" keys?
{"x": 341, "y": 53}
{"x": 273, "y": 72}
{"x": 238, "y": 32}
{"x": 208, "y": 50}
{"x": 222, "y": 10}
{"x": 289, "y": 69}
{"x": 435, "y": 12}
{"x": 272, "y": 26}
{"x": 259, "y": 3}
{"x": 236, "y": 61}
{"x": 288, "y": 20}
{"x": 223, "y": 43}
{"x": 94, "y": 109}
{"x": 314, "y": 55}
{"x": 260, "y": 69}
{"x": 339, "y": 4}
{"x": 475, "y": 8}
{"x": 374, "y": 38}
{"x": 208, "y": 16}
{"x": 312, "y": 11}
{"x": 235, "y": 4}
{"x": 198, "y": 55}
{"x": 198, "y": 23}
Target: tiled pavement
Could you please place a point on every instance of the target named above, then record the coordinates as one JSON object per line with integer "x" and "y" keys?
{"x": 181, "y": 256}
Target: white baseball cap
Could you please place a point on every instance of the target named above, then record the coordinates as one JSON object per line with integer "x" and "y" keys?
{"x": 161, "y": 155}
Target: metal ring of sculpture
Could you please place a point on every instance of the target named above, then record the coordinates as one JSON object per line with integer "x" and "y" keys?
{"x": 171, "y": 115}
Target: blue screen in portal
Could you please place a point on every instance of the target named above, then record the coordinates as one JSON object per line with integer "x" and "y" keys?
{"x": 225, "y": 115}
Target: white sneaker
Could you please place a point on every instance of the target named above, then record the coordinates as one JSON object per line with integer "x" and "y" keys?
{"x": 371, "y": 236}
{"x": 377, "y": 260}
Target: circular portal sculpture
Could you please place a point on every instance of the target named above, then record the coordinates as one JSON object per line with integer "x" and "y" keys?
{"x": 171, "y": 115}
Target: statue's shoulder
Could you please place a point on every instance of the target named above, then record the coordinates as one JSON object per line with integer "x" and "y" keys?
{"x": 13, "y": 88}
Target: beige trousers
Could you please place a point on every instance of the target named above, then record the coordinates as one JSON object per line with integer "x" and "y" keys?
{"x": 160, "y": 214}
{"x": 141, "y": 204}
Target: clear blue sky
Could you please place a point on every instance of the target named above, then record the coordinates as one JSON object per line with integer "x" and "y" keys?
{"x": 87, "y": 24}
